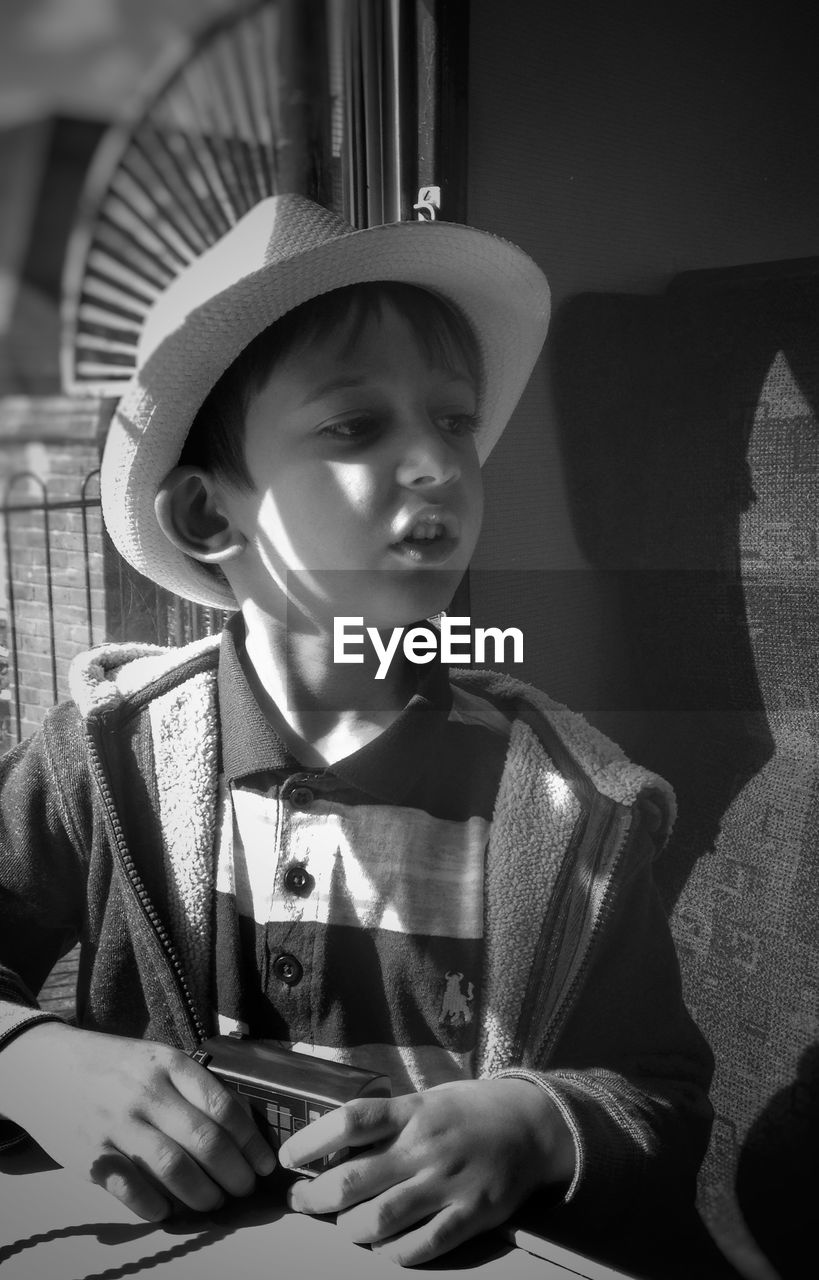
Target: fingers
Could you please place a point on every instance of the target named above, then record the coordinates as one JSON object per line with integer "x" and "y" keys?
{"x": 191, "y": 1145}
{"x": 348, "y": 1184}
{"x": 206, "y": 1094}
{"x": 394, "y": 1211}
{"x": 200, "y": 1142}
{"x": 181, "y": 1157}
{"x": 191, "y": 1158}
{"x": 430, "y": 1178}
{"x": 409, "y": 1223}
{"x": 360, "y": 1123}
{"x": 155, "y": 1174}
{"x": 445, "y": 1231}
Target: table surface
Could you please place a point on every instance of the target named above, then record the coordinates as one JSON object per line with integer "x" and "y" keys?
{"x": 54, "y": 1226}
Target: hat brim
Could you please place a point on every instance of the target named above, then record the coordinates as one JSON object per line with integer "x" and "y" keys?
{"x": 501, "y": 292}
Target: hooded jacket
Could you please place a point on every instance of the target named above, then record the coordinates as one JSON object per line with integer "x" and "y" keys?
{"x": 107, "y": 836}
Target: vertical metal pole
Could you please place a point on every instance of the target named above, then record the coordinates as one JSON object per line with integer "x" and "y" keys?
{"x": 452, "y": 80}
{"x": 403, "y": 74}
{"x": 345, "y": 73}
{"x": 43, "y": 506}
{"x": 86, "y": 551}
{"x": 12, "y": 615}
{"x": 427, "y": 74}
{"x": 304, "y": 151}
{"x": 399, "y": 109}
{"x": 372, "y": 120}
{"x": 50, "y": 592}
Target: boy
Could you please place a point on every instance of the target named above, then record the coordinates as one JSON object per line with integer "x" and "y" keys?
{"x": 446, "y": 878}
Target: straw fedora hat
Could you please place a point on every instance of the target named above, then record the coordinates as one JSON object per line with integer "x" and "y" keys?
{"x": 285, "y": 251}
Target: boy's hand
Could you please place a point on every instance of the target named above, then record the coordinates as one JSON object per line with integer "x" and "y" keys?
{"x": 138, "y": 1118}
{"x": 439, "y": 1166}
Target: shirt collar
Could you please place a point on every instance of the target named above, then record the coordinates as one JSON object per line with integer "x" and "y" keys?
{"x": 250, "y": 744}
{"x": 385, "y": 768}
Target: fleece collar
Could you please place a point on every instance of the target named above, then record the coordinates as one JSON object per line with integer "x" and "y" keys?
{"x": 102, "y": 678}
{"x": 596, "y": 756}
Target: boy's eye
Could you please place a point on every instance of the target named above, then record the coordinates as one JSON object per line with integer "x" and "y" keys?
{"x": 459, "y": 424}
{"x": 360, "y": 429}
{"x": 350, "y": 429}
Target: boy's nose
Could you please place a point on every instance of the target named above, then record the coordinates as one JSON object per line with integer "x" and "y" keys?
{"x": 427, "y": 459}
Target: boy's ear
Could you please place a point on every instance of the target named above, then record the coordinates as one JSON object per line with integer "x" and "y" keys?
{"x": 188, "y": 514}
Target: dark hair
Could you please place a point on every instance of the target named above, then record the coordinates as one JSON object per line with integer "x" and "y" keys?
{"x": 215, "y": 441}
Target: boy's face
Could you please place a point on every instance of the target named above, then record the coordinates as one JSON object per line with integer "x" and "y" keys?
{"x": 366, "y": 480}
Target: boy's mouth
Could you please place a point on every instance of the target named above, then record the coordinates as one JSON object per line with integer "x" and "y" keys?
{"x": 429, "y": 538}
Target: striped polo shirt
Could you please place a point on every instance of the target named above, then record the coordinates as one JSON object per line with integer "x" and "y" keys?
{"x": 349, "y": 916}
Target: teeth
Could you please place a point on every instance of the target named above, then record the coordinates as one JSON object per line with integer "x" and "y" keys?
{"x": 426, "y": 530}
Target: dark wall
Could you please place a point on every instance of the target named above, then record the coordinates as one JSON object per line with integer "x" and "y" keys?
{"x": 620, "y": 145}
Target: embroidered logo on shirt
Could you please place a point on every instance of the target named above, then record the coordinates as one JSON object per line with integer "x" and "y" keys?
{"x": 455, "y": 1007}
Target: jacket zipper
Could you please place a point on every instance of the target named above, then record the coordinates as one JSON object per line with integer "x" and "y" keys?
{"x": 149, "y": 911}
{"x": 566, "y": 1004}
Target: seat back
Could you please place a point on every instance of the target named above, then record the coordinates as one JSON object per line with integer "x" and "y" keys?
{"x": 698, "y": 411}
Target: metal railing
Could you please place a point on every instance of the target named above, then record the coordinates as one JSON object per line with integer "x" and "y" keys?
{"x": 10, "y": 508}
{"x": 108, "y": 600}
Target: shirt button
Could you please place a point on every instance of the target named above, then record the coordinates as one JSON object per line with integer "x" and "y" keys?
{"x": 297, "y": 879}
{"x": 287, "y": 969}
{"x": 302, "y": 797}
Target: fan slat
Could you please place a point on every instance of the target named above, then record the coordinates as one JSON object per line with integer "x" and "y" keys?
{"x": 220, "y": 169}
{"x": 148, "y": 238}
{"x": 104, "y": 340}
{"x": 108, "y": 379}
{"x": 257, "y": 72}
{"x": 160, "y": 157}
{"x": 268, "y": 46}
{"x": 248, "y": 147}
{"x": 91, "y": 314}
{"x": 132, "y": 208}
{"x": 115, "y": 291}
{"x": 196, "y": 162}
{"x": 100, "y": 292}
{"x": 205, "y": 171}
{"x": 116, "y": 272}
{"x": 227, "y": 128}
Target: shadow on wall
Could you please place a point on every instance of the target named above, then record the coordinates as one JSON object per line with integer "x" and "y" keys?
{"x": 778, "y": 1171}
{"x": 689, "y": 430}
